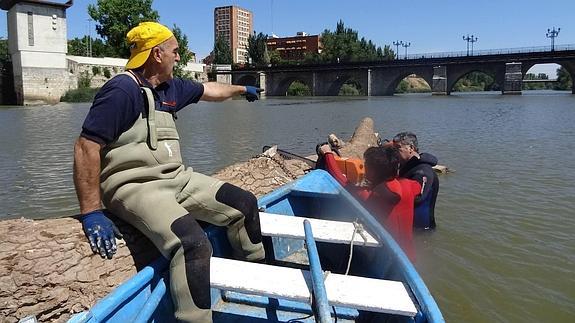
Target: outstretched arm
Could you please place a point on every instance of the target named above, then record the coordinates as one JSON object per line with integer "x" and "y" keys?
{"x": 214, "y": 91}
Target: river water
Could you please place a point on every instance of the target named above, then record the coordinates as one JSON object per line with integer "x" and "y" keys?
{"x": 504, "y": 249}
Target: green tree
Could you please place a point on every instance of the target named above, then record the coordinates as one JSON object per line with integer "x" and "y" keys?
{"x": 78, "y": 47}
{"x": 349, "y": 89}
{"x": 564, "y": 81}
{"x": 185, "y": 53}
{"x": 298, "y": 88}
{"x": 476, "y": 81}
{"x": 114, "y": 18}
{"x": 4, "y": 55}
{"x": 257, "y": 49}
{"x": 275, "y": 57}
{"x": 222, "y": 52}
{"x": 343, "y": 45}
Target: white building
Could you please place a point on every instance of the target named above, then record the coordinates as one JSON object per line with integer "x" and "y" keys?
{"x": 37, "y": 43}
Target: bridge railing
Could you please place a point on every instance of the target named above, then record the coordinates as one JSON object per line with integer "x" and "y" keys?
{"x": 500, "y": 51}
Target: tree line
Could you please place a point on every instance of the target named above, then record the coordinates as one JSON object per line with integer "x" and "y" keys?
{"x": 114, "y": 18}
{"x": 342, "y": 45}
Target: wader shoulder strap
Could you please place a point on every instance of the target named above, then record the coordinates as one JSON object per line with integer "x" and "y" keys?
{"x": 150, "y": 111}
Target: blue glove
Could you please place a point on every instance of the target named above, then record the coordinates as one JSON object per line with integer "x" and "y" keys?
{"x": 101, "y": 232}
{"x": 253, "y": 93}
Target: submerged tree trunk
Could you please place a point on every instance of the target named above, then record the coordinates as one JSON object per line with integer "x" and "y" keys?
{"x": 47, "y": 268}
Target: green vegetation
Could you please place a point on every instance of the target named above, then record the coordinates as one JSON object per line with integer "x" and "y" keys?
{"x": 79, "y": 47}
{"x": 84, "y": 93}
{"x": 564, "y": 81}
{"x": 4, "y": 55}
{"x": 96, "y": 70}
{"x": 114, "y": 18}
{"x": 185, "y": 53}
{"x": 258, "y": 50}
{"x": 107, "y": 73}
{"x": 476, "y": 81}
{"x": 350, "y": 88}
{"x": 222, "y": 52}
{"x": 343, "y": 45}
{"x": 298, "y": 88}
{"x": 80, "y": 95}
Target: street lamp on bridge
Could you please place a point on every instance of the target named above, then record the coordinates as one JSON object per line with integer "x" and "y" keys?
{"x": 89, "y": 39}
{"x": 470, "y": 39}
{"x": 397, "y": 44}
{"x": 552, "y": 34}
{"x": 405, "y": 45}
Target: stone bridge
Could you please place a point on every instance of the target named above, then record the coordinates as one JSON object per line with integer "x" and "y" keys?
{"x": 382, "y": 78}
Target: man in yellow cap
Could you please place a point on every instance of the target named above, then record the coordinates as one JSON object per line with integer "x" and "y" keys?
{"x": 128, "y": 159}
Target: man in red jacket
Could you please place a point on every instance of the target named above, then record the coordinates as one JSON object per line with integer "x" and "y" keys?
{"x": 388, "y": 197}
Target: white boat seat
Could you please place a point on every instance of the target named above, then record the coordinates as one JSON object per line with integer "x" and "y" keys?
{"x": 275, "y": 225}
{"x": 361, "y": 293}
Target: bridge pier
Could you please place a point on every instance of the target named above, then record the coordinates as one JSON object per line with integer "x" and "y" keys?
{"x": 262, "y": 83}
{"x": 439, "y": 83}
{"x": 513, "y": 83}
{"x": 368, "y": 90}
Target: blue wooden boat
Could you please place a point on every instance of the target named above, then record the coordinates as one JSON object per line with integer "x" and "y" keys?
{"x": 328, "y": 260}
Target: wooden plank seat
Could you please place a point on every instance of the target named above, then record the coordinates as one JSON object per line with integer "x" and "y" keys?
{"x": 369, "y": 294}
{"x": 275, "y": 225}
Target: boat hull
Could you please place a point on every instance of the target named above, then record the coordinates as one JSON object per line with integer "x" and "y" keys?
{"x": 316, "y": 195}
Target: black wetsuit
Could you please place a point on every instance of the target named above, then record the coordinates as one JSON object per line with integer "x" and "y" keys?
{"x": 418, "y": 169}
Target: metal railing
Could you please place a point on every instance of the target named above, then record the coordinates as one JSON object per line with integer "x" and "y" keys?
{"x": 501, "y": 51}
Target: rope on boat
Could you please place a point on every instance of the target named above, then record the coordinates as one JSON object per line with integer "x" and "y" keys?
{"x": 357, "y": 228}
{"x": 281, "y": 164}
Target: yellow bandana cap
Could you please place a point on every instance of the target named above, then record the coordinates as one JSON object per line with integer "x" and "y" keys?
{"x": 142, "y": 39}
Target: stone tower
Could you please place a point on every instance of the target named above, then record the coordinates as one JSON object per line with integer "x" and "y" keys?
{"x": 37, "y": 43}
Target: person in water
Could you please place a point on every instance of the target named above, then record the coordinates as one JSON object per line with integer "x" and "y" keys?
{"x": 128, "y": 159}
{"x": 419, "y": 166}
{"x": 390, "y": 198}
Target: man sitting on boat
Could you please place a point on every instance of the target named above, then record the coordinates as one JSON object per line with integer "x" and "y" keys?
{"x": 418, "y": 166}
{"x": 389, "y": 198}
{"x": 128, "y": 157}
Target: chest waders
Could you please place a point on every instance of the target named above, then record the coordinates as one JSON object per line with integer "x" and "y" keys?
{"x": 144, "y": 182}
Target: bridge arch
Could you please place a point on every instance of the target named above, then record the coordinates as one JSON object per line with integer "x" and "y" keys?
{"x": 283, "y": 86}
{"x": 390, "y": 89}
{"x": 336, "y": 85}
{"x": 497, "y": 71}
{"x": 248, "y": 79}
{"x": 384, "y": 81}
{"x": 569, "y": 66}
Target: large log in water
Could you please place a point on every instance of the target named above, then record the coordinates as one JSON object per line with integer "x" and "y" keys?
{"x": 47, "y": 268}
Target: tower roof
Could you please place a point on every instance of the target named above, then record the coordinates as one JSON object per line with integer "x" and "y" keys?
{"x": 8, "y": 4}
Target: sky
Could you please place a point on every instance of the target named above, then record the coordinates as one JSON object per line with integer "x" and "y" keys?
{"x": 429, "y": 25}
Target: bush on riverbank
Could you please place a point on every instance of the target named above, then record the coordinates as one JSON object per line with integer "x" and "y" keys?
{"x": 298, "y": 88}
{"x": 84, "y": 93}
{"x": 80, "y": 95}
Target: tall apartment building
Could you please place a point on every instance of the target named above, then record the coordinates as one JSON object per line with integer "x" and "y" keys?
{"x": 235, "y": 25}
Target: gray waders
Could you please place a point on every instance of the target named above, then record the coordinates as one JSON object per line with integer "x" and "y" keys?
{"x": 144, "y": 182}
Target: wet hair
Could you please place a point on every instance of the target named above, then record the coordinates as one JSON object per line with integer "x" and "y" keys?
{"x": 383, "y": 162}
{"x": 407, "y": 138}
